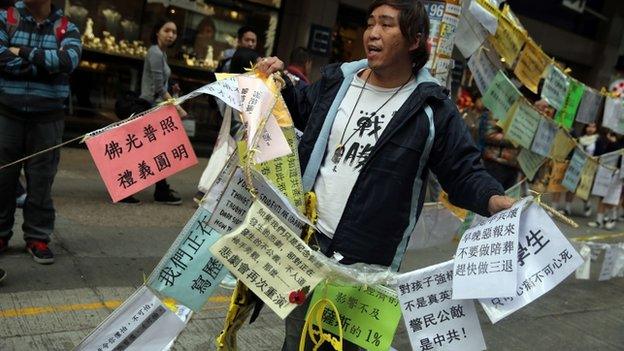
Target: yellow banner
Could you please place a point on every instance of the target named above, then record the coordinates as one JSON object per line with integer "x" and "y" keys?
{"x": 562, "y": 146}
{"x": 587, "y": 179}
{"x": 457, "y": 211}
{"x": 557, "y": 173}
{"x": 531, "y": 64}
{"x": 508, "y": 40}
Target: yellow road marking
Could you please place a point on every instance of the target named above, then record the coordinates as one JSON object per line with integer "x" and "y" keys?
{"x": 110, "y": 304}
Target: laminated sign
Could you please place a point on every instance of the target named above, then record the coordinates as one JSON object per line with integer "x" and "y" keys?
{"x": 443, "y": 21}
{"x": 433, "y": 320}
{"x": 545, "y": 258}
{"x": 485, "y": 263}
{"x": 134, "y": 155}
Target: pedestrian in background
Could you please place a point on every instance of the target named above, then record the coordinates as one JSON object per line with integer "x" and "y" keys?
{"x": 246, "y": 37}
{"x": 39, "y": 47}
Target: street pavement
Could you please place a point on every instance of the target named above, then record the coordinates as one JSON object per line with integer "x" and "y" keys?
{"x": 104, "y": 251}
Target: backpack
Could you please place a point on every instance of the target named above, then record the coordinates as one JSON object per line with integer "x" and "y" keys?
{"x": 13, "y": 19}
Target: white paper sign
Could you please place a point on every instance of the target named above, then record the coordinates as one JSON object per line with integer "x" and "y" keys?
{"x": 612, "y": 117}
{"x": 225, "y": 90}
{"x": 544, "y": 137}
{"x": 273, "y": 143}
{"x": 612, "y": 263}
{"x": 545, "y": 258}
{"x": 485, "y": 261}
{"x": 585, "y": 269}
{"x": 614, "y": 191}
{"x": 432, "y": 319}
{"x": 555, "y": 87}
{"x": 483, "y": 70}
{"x": 605, "y": 177}
{"x": 483, "y": 16}
{"x": 590, "y": 106}
{"x": 142, "y": 322}
{"x": 470, "y": 34}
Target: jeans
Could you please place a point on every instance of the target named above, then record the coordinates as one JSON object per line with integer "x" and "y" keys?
{"x": 296, "y": 319}
{"x": 18, "y": 139}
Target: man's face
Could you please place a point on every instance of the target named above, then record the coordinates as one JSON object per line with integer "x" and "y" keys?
{"x": 384, "y": 43}
{"x": 249, "y": 40}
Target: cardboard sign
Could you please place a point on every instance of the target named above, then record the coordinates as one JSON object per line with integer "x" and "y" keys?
{"x": 555, "y": 87}
{"x": 188, "y": 272}
{"x": 485, "y": 260}
{"x": 369, "y": 315}
{"x": 565, "y": 116}
{"x": 269, "y": 258}
{"x": 531, "y": 65}
{"x": 557, "y": 173}
{"x": 137, "y": 154}
{"x": 562, "y": 146}
{"x": 587, "y": 179}
{"x": 545, "y": 258}
{"x": 142, "y": 322}
{"x": 500, "y": 96}
{"x": 524, "y": 124}
{"x": 590, "y": 106}
{"x": 432, "y": 319}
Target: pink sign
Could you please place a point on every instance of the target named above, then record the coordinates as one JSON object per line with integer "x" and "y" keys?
{"x": 137, "y": 154}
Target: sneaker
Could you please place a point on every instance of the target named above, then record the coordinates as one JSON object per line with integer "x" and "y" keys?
{"x": 2, "y": 274}
{"x": 130, "y": 200}
{"x": 4, "y": 245}
{"x": 609, "y": 223}
{"x": 587, "y": 211}
{"x": 596, "y": 224}
{"x": 198, "y": 197}
{"x": 40, "y": 251}
{"x": 168, "y": 196}
{"x": 20, "y": 201}
{"x": 229, "y": 282}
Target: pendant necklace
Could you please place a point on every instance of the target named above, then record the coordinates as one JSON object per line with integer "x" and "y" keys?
{"x": 340, "y": 148}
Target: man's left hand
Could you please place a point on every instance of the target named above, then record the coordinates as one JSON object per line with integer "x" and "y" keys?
{"x": 14, "y": 50}
{"x": 498, "y": 203}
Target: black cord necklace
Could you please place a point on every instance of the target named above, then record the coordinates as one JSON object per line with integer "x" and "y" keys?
{"x": 340, "y": 148}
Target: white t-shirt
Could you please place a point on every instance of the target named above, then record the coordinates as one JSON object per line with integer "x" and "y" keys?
{"x": 335, "y": 180}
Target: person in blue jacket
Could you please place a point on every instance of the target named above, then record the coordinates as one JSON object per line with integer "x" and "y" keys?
{"x": 372, "y": 130}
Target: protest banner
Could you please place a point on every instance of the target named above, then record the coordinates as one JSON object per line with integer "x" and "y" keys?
{"x": 573, "y": 173}
{"x": 483, "y": 69}
{"x": 565, "y": 116}
{"x": 555, "y": 86}
{"x": 524, "y": 123}
{"x": 562, "y": 146}
{"x": 142, "y": 322}
{"x": 587, "y": 178}
{"x": 443, "y": 20}
{"x": 369, "y": 315}
{"x": 485, "y": 261}
{"x": 613, "y": 116}
{"x": 508, "y": 40}
{"x": 544, "y": 137}
{"x": 236, "y": 201}
{"x": 433, "y": 320}
{"x": 531, "y": 64}
{"x": 269, "y": 259}
{"x": 557, "y": 173}
{"x": 188, "y": 272}
{"x": 134, "y": 155}
{"x": 606, "y": 173}
{"x": 590, "y": 106}
{"x": 500, "y": 96}
{"x": 545, "y": 258}
{"x": 436, "y": 225}
{"x": 530, "y": 163}
{"x": 470, "y": 33}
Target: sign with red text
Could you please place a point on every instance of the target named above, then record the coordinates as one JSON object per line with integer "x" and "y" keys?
{"x": 134, "y": 155}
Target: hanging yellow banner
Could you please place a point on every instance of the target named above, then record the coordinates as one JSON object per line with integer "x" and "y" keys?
{"x": 457, "y": 211}
{"x": 557, "y": 173}
{"x": 508, "y": 40}
{"x": 587, "y": 179}
{"x": 562, "y": 146}
{"x": 531, "y": 64}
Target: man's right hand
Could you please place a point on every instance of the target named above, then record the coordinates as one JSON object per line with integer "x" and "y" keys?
{"x": 270, "y": 65}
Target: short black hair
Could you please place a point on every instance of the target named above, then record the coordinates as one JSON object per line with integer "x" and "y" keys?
{"x": 414, "y": 22}
{"x": 244, "y": 29}
{"x": 300, "y": 56}
{"x": 157, "y": 26}
{"x": 243, "y": 58}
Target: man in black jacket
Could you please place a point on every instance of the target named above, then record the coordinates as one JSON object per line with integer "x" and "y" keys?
{"x": 372, "y": 130}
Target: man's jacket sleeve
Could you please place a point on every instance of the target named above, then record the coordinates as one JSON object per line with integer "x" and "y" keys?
{"x": 300, "y": 101}
{"x": 10, "y": 63}
{"x": 62, "y": 60}
{"x": 457, "y": 162}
